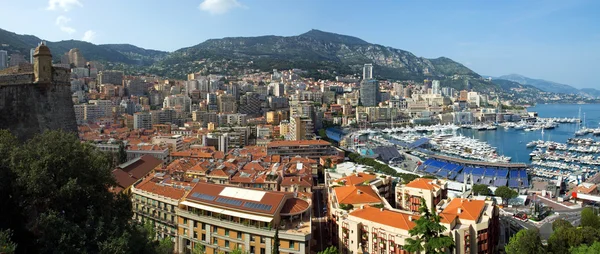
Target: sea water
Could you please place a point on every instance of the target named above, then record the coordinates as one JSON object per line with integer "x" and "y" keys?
{"x": 511, "y": 142}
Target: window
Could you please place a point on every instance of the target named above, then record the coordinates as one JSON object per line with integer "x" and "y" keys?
{"x": 215, "y": 241}
{"x": 262, "y": 251}
{"x": 251, "y": 249}
{"x": 184, "y": 220}
{"x": 185, "y": 231}
{"x": 252, "y": 238}
{"x": 195, "y": 235}
{"x": 262, "y": 239}
{"x": 195, "y": 224}
{"x": 239, "y": 235}
{"x": 292, "y": 245}
{"x": 227, "y": 244}
{"x": 226, "y": 232}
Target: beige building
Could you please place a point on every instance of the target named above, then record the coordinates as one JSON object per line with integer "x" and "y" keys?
{"x": 223, "y": 218}
{"x": 408, "y": 196}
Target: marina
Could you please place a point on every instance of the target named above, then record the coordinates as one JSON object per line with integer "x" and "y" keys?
{"x": 548, "y": 146}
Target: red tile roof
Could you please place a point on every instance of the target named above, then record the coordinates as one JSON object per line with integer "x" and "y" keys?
{"x": 464, "y": 208}
{"x": 160, "y": 189}
{"x": 423, "y": 183}
{"x": 356, "y": 195}
{"x": 386, "y": 217}
{"x": 297, "y": 143}
{"x": 356, "y": 178}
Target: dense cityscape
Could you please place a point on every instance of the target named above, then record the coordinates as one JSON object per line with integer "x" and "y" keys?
{"x": 305, "y": 143}
{"x": 236, "y": 163}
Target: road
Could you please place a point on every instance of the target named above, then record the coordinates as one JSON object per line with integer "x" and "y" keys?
{"x": 545, "y": 228}
{"x": 320, "y": 218}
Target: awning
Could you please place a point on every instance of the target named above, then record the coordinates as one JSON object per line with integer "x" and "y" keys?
{"x": 228, "y": 212}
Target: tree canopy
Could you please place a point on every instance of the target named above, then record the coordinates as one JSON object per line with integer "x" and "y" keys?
{"x": 589, "y": 218}
{"x": 586, "y": 249}
{"x": 481, "y": 189}
{"x": 54, "y": 194}
{"x": 505, "y": 193}
{"x": 429, "y": 233}
{"x": 526, "y": 241}
{"x": 329, "y": 250}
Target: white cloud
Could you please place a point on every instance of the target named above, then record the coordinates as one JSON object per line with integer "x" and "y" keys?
{"x": 64, "y": 5}
{"x": 61, "y": 22}
{"x": 219, "y": 6}
{"x": 89, "y": 36}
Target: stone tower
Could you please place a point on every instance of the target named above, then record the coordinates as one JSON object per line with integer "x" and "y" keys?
{"x": 42, "y": 64}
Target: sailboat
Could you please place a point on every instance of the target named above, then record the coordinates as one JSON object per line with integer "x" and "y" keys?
{"x": 582, "y": 130}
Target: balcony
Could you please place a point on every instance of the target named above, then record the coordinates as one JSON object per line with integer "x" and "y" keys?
{"x": 298, "y": 230}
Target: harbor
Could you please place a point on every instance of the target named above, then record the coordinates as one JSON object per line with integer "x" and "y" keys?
{"x": 549, "y": 145}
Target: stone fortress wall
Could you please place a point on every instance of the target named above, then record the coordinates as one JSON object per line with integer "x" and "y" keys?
{"x": 28, "y": 108}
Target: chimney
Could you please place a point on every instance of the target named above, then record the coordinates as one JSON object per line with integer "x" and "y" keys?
{"x": 359, "y": 192}
{"x": 362, "y": 206}
{"x": 410, "y": 218}
{"x": 459, "y": 210}
{"x": 381, "y": 209}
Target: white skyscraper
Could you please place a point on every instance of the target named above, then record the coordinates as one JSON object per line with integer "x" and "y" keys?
{"x": 435, "y": 87}
{"x": 31, "y": 52}
{"x": 3, "y": 59}
{"x": 368, "y": 72}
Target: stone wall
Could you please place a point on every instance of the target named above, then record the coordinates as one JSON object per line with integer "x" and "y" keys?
{"x": 29, "y": 109}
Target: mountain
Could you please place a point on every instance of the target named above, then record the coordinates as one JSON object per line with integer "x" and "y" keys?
{"x": 543, "y": 85}
{"x": 114, "y": 53}
{"x": 549, "y": 86}
{"x": 323, "y": 54}
{"x": 320, "y": 50}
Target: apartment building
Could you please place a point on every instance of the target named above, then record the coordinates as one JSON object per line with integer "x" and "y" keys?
{"x": 155, "y": 202}
{"x": 224, "y": 218}
{"x": 174, "y": 142}
{"x": 312, "y": 149}
{"x": 408, "y": 196}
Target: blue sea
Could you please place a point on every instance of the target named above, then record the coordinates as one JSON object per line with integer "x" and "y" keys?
{"x": 511, "y": 142}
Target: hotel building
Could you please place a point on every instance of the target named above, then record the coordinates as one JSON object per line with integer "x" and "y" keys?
{"x": 223, "y": 218}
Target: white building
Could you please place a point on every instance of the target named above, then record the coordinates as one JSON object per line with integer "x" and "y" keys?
{"x": 142, "y": 120}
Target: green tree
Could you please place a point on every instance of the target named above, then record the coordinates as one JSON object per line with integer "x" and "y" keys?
{"x": 238, "y": 251}
{"x": 586, "y": 249}
{"x": 589, "y": 218}
{"x": 122, "y": 153}
{"x": 481, "y": 189}
{"x": 6, "y": 244}
{"x": 505, "y": 193}
{"x": 563, "y": 239}
{"x": 329, "y": 250}
{"x": 165, "y": 246}
{"x": 275, "y": 249}
{"x": 559, "y": 223}
{"x": 429, "y": 233}
{"x": 199, "y": 248}
{"x": 526, "y": 241}
{"x": 64, "y": 202}
{"x": 150, "y": 229}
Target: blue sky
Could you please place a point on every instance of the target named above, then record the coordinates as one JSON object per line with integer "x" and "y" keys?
{"x": 553, "y": 40}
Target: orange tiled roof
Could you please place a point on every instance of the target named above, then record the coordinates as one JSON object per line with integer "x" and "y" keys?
{"x": 161, "y": 190}
{"x": 295, "y": 180}
{"x": 469, "y": 209}
{"x": 356, "y": 195}
{"x": 355, "y": 179}
{"x": 297, "y": 143}
{"x": 386, "y": 217}
{"x": 423, "y": 183}
{"x": 584, "y": 189}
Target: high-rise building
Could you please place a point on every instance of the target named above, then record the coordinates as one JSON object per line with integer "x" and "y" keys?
{"x": 426, "y": 85}
{"x": 76, "y": 58}
{"x": 31, "y": 52}
{"x": 369, "y": 93}
{"x": 110, "y": 77}
{"x": 3, "y": 59}
{"x": 278, "y": 88}
{"x": 368, "y": 71}
{"x": 16, "y": 59}
{"x": 435, "y": 87}
{"x": 227, "y": 103}
{"x": 142, "y": 120}
{"x": 301, "y": 128}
